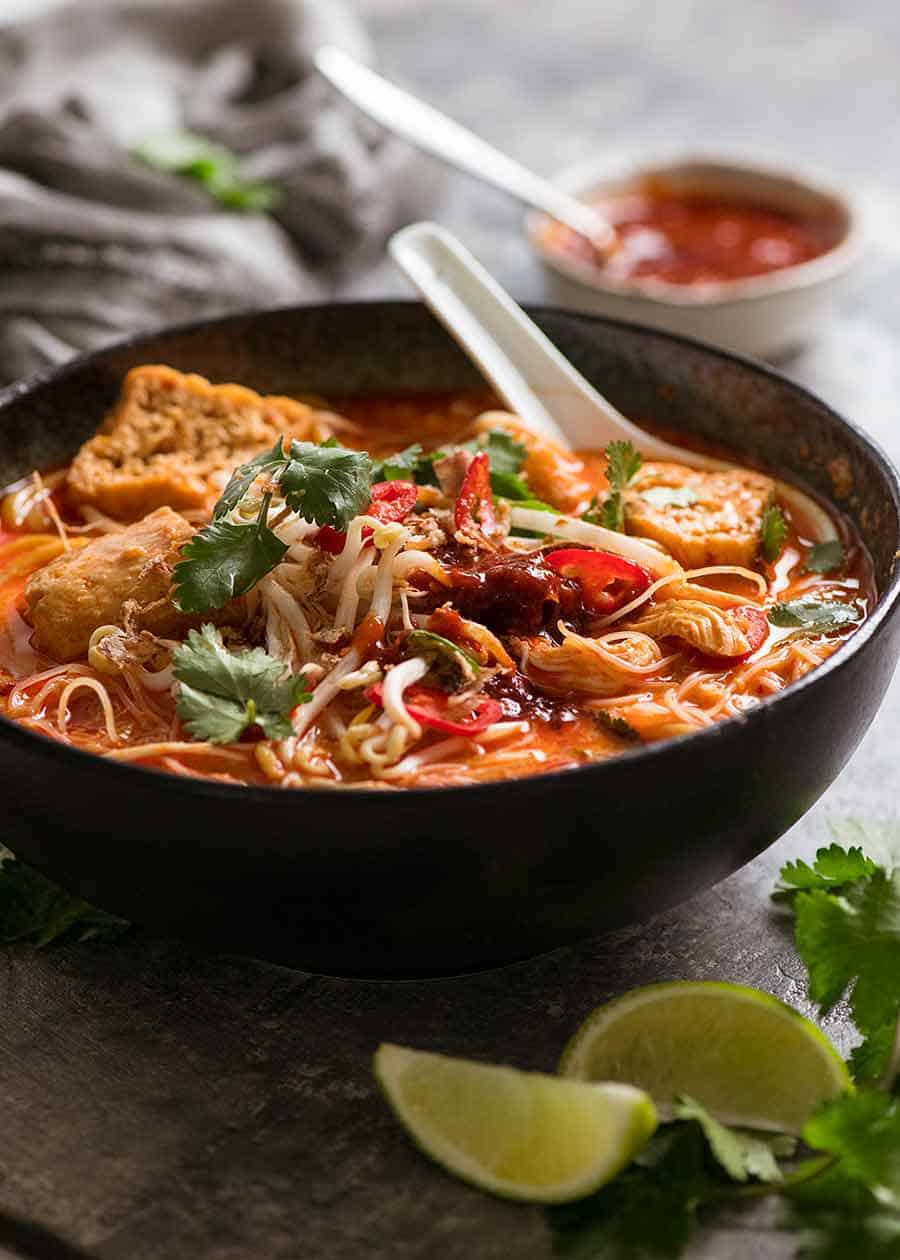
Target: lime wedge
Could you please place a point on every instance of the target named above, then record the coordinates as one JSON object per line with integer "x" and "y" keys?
{"x": 748, "y": 1058}
{"x": 522, "y": 1135}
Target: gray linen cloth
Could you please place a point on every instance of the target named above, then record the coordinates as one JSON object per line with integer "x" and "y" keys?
{"x": 95, "y": 244}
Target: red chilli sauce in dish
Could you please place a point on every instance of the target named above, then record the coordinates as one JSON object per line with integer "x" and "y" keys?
{"x": 693, "y": 239}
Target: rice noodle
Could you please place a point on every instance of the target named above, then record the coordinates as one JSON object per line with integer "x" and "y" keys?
{"x": 167, "y": 748}
{"x": 97, "y": 687}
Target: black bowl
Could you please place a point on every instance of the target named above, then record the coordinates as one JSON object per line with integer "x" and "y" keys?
{"x": 422, "y": 882}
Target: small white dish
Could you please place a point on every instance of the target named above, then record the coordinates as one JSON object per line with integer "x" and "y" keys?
{"x": 765, "y": 315}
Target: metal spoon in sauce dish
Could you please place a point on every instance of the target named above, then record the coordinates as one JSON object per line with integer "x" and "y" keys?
{"x": 428, "y": 129}
{"x": 535, "y": 380}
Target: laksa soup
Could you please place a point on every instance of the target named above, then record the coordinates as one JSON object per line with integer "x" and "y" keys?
{"x": 397, "y": 592}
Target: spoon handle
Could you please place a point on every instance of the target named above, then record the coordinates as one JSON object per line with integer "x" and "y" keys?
{"x": 523, "y": 365}
{"x": 432, "y": 131}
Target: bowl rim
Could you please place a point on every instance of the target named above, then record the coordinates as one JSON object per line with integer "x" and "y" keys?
{"x": 887, "y": 605}
{"x": 592, "y": 174}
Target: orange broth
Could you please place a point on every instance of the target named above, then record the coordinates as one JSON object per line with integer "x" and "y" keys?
{"x": 563, "y": 730}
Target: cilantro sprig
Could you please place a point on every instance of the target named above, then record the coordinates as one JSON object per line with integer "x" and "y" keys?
{"x": 847, "y": 930}
{"x": 623, "y": 463}
{"x": 506, "y": 459}
{"x": 825, "y": 557}
{"x": 842, "y": 1198}
{"x": 813, "y": 616}
{"x": 221, "y": 694}
{"x": 772, "y": 533}
{"x": 325, "y": 484}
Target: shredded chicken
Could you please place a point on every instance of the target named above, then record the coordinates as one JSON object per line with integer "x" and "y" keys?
{"x": 701, "y": 625}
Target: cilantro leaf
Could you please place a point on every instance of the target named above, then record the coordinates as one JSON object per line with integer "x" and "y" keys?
{"x": 825, "y": 557}
{"x": 880, "y": 840}
{"x": 612, "y": 513}
{"x": 740, "y": 1153}
{"x": 509, "y": 486}
{"x": 223, "y": 560}
{"x": 244, "y": 476}
{"x": 870, "y": 1059}
{"x": 669, "y": 496}
{"x": 505, "y": 454}
{"x": 35, "y": 910}
{"x": 836, "y": 1216}
{"x": 327, "y": 485}
{"x": 650, "y": 1210}
{"x": 222, "y": 693}
{"x": 449, "y": 658}
{"x": 591, "y": 514}
{"x": 862, "y": 1130}
{"x": 410, "y": 464}
{"x": 506, "y": 457}
{"x": 850, "y": 940}
{"x": 773, "y": 531}
{"x": 833, "y": 868}
{"x": 212, "y": 165}
{"x": 812, "y": 616}
{"x": 623, "y": 463}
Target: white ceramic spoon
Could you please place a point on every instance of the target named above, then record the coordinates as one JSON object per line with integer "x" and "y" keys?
{"x": 528, "y": 372}
{"x": 535, "y": 380}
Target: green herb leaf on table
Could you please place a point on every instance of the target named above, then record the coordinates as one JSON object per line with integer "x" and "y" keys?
{"x": 849, "y": 939}
{"x": 222, "y": 693}
{"x": 36, "y": 911}
{"x": 813, "y": 616}
{"x": 742, "y": 1155}
{"x": 862, "y": 1130}
{"x": 212, "y": 165}
{"x": 223, "y": 560}
{"x": 326, "y": 484}
{"x": 773, "y": 531}
{"x": 833, "y": 868}
{"x": 650, "y": 1210}
{"x": 825, "y": 557}
{"x": 669, "y": 496}
{"x": 835, "y": 1217}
